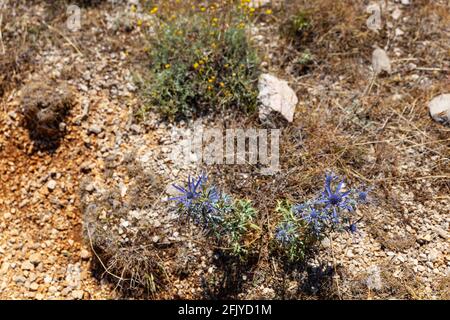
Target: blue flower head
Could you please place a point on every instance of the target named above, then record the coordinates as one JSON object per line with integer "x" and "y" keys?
{"x": 298, "y": 209}
{"x": 192, "y": 192}
{"x": 335, "y": 199}
{"x": 211, "y": 198}
{"x": 352, "y": 228}
{"x": 314, "y": 218}
{"x": 363, "y": 195}
{"x": 285, "y": 232}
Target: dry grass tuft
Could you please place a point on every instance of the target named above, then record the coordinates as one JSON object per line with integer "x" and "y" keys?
{"x": 133, "y": 263}
{"x": 44, "y": 106}
{"x": 444, "y": 288}
{"x": 399, "y": 282}
{"x": 10, "y": 68}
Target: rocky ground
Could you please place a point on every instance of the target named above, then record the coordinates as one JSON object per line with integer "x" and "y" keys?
{"x": 51, "y": 201}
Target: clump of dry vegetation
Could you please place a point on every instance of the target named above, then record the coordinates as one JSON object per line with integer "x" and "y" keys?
{"x": 44, "y": 106}
{"x": 444, "y": 288}
{"x": 132, "y": 260}
{"x": 383, "y": 282}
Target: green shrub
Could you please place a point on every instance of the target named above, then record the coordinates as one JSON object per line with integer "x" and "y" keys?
{"x": 293, "y": 238}
{"x": 297, "y": 25}
{"x": 201, "y": 61}
{"x": 240, "y": 228}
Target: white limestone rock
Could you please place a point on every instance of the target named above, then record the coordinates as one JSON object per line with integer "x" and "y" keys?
{"x": 276, "y": 95}
{"x": 440, "y": 108}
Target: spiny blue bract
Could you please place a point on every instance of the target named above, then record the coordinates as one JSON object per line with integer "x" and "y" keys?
{"x": 199, "y": 202}
{"x": 230, "y": 222}
{"x": 333, "y": 210}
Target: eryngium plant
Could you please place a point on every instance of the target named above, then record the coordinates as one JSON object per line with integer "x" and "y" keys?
{"x": 303, "y": 225}
{"x": 230, "y": 222}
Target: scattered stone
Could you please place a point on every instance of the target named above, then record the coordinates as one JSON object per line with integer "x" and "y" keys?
{"x": 374, "y": 21}
{"x": 19, "y": 279}
{"x": 83, "y": 87}
{"x": 276, "y": 95}
{"x": 87, "y": 166}
{"x": 89, "y": 187}
{"x": 35, "y": 259}
{"x": 48, "y": 279}
{"x": 51, "y": 185}
{"x": 34, "y": 286}
{"x": 326, "y": 243}
{"x": 4, "y": 268}
{"x": 52, "y": 289}
{"x": 424, "y": 239}
{"x": 77, "y": 294}
{"x": 95, "y": 129}
{"x": 399, "y": 32}
{"x": 136, "y": 129}
{"x": 433, "y": 255}
{"x": 374, "y": 281}
{"x": 27, "y": 265}
{"x": 85, "y": 108}
{"x": 396, "y": 14}
{"x": 85, "y": 254}
{"x": 441, "y": 232}
{"x": 259, "y": 3}
{"x": 380, "y": 61}
{"x": 440, "y": 108}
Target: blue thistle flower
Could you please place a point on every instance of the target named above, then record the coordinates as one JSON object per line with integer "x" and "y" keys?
{"x": 191, "y": 193}
{"x": 335, "y": 199}
{"x": 285, "y": 232}
{"x": 211, "y": 198}
{"x": 362, "y": 195}
{"x": 299, "y": 208}
{"x": 314, "y": 218}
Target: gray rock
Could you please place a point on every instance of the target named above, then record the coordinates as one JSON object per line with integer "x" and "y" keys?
{"x": 439, "y": 108}
{"x": 95, "y": 129}
{"x": 380, "y": 61}
{"x": 275, "y": 95}
{"x": 35, "y": 258}
{"x": 51, "y": 185}
{"x": 27, "y": 265}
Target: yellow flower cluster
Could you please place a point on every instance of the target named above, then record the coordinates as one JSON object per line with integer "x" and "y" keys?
{"x": 250, "y": 10}
{"x": 198, "y": 64}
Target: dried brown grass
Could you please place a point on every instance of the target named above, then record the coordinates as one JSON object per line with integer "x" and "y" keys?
{"x": 44, "y": 106}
